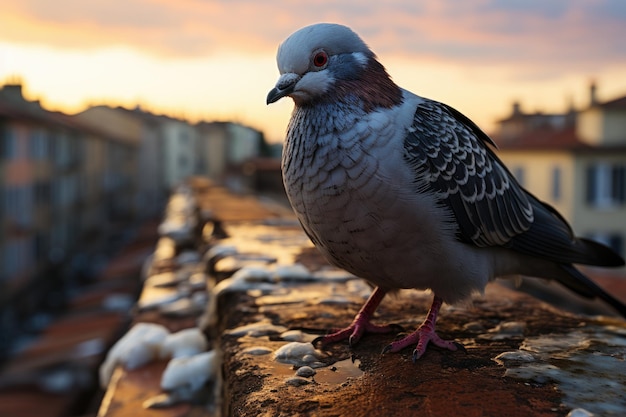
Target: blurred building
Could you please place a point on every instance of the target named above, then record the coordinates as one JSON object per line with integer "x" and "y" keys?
{"x": 575, "y": 162}
{"x": 225, "y": 148}
{"x": 144, "y": 131}
{"x": 62, "y": 186}
{"x": 180, "y": 148}
{"x": 67, "y": 183}
{"x": 213, "y": 142}
{"x": 172, "y": 150}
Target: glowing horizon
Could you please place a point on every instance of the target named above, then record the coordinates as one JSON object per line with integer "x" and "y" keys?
{"x": 216, "y": 61}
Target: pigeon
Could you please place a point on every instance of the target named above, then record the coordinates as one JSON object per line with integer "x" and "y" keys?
{"x": 407, "y": 192}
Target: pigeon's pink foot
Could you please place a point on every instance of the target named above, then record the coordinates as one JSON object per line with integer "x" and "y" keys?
{"x": 361, "y": 323}
{"x": 424, "y": 335}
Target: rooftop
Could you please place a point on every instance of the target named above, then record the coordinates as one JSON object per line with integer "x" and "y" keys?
{"x": 545, "y": 139}
{"x": 617, "y": 103}
{"x": 553, "y": 132}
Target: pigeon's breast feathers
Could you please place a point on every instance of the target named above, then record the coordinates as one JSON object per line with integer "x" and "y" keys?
{"x": 329, "y": 63}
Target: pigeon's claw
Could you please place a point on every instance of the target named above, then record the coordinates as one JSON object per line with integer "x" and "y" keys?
{"x": 361, "y": 324}
{"x": 354, "y": 332}
{"x": 424, "y": 335}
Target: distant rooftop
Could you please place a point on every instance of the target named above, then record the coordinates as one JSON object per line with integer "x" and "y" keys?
{"x": 554, "y": 131}
{"x": 617, "y": 104}
{"x": 545, "y": 138}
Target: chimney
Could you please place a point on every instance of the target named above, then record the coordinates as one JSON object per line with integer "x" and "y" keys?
{"x": 517, "y": 108}
{"x": 593, "y": 99}
{"x": 13, "y": 91}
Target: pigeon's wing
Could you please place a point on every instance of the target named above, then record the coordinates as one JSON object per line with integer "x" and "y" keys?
{"x": 450, "y": 157}
{"x": 454, "y": 159}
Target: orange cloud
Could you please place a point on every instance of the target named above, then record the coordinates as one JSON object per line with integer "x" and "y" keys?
{"x": 473, "y": 31}
{"x": 188, "y": 54}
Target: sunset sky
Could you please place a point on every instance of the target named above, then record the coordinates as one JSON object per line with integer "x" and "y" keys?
{"x": 216, "y": 59}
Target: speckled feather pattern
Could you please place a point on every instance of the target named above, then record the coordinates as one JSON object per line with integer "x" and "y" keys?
{"x": 345, "y": 177}
{"x": 490, "y": 207}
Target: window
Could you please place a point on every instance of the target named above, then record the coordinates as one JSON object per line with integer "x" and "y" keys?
{"x": 18, "y": 204}
{"x": 42, "y": 193}
{"x": 42, "y": 246}
{"x": 3, "y": 142}
{"x": 18, "y": 254}
{"x": 618, "y": 183}
{"x": 183, "y": 161}
{"x": 184, "y": 138}
{"x": 38, "y": 144}
{"x": 606, "y": 185}
{"x": 556, "y": 183}
{"x": 8, "y": 143}
{"x": 62, "y": 150}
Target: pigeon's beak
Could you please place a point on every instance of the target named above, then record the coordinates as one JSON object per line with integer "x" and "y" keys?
{"x": 276, "y": 94}
{"x": 286, "y": 85}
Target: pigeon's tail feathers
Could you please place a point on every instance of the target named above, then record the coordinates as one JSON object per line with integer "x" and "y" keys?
{"x": 582, "y": 285}
{"x": 550, "y": 237}
{"x": 598, "y": 254}
{"x": 590, "y": 252}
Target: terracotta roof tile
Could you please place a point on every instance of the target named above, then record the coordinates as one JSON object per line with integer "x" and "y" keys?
{"x": 544, "y": 139}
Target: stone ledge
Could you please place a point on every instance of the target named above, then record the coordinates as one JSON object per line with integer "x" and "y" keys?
{"x": 283, "y": 294}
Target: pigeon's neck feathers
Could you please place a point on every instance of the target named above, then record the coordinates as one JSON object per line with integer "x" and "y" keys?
{"x": 372, "y": 89}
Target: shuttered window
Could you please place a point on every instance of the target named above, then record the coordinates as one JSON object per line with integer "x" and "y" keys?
{"x": 606, "y": 185}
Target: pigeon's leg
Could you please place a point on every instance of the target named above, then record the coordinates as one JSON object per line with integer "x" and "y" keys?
{"x": 425, "y": 334}
{"x": 361, "y": 323}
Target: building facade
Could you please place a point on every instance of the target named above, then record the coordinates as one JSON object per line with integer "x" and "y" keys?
{"x": 63, "y": 186}
{"x": 577, "y": 165}
{"x": 67, "y": 179}
{"x": 142, "y": 132}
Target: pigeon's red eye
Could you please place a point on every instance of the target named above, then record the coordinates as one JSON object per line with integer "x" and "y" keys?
{"x": 320, "y": 59}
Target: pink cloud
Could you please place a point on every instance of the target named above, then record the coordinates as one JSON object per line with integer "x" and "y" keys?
{"x": 530, "y": 33}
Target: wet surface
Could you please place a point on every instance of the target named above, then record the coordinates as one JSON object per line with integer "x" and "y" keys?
{"x": 266, "y": 379}
{"x": 270, "y": 293}
{"x": 588, "y": 366}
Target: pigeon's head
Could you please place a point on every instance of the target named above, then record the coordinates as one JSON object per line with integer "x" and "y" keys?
{"x": 325, "y": 62}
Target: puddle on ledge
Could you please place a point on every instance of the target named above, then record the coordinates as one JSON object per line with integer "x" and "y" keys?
{"x": 339, "y": 372}
{"x": 336, "y": 374}
{"x": 295, "y": 351}
{"x": 587, "y": 365}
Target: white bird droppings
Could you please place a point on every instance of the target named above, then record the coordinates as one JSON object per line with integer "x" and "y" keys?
{"x": 474, "y": 326}
{"x": 579, "y": 412}
{"x": 187, "y": 342}
{"x": 220, "y": 251}
{"x": 189, "y": 373}
{"x": 305, "y": 371}
{"x": 257, "y": 351}
{"x": 295, "y": 272}
{"x": 505, "y": 330}
{"x": 140, "y": 345}
{"x": 299, "y": 354}
{"x": 333, "y": 275}
{"x": 251, "y": 274}
{"x": 514, "y": 328}
{"x": 297, "y": 336}
{"x": 262, "y": 328}
{"x": 516, "y": 356}
{"x": 297, "y": 381}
